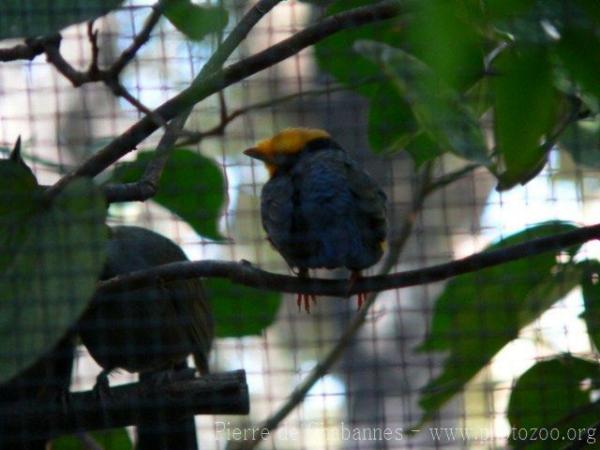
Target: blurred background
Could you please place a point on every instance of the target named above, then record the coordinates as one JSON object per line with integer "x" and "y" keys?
{"x": 377, "y": 380}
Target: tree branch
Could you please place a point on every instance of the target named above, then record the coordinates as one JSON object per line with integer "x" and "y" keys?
{"x": 193, "y": 137}
{"x": 114, "y": 71}
{"x": 246, "y": 274}
{"x": 222, "y": 393}
{"x": 220, "y": 79}
{"x": 30, "y": 49}
{"x": 148, "y": 184}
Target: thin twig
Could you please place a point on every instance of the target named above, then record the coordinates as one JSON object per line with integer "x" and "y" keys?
{"x": 214, "y": 81}
{"x": 30, "y": 49}
{"x": 194, "y": 137}
{"x": 147, "y": 186}
{"x": 110, "y": 76}
{"x": 138, "y": 42}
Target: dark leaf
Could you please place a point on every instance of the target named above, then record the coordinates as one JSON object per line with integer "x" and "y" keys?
{"x": 337, "y": 56}
{"x": 591, "y": 7}
{"x": 195, "y": 21}
{"x": 192, "y": 186}
{"x": 51, "y": 274}
{"x": 439, "y": 110}
{"x": 447, "y": 43}
{"x": 551, "y": 397}
{"x": 497, "y": 9}
{"x": 116, "y": 439}
{"x": 579, "y": 52}
{"x": 31, "y": 18}
{"x": 391, "y": 122}
{"x": 590, "y": 286}
{"x": 526, "y": 103}
{"x": 423, "y": 149}
{"x": 582, "y": 141}
{"x": 240, "y": 310}
{"x": 478, "y": 313}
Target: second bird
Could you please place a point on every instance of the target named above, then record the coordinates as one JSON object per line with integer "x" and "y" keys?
{"x": 320, "y": 209}
{"x": 150, "y": 328}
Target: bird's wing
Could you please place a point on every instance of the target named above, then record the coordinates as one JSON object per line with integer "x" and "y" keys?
{"x": 194, "y": 312}
{"x": 370, "y": 201}
{"x": 188, "y": 300}
{"x": 277, "y": 212}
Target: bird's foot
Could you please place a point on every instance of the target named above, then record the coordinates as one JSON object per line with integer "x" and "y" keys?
{"x": 361, "y": 296}
{"x": 102, "y": 386}
{"x": 102, "y": 390}
{"x": 182, "y": 374}
{"x": 305, "y": 299}
{"x": 64, "y": 398}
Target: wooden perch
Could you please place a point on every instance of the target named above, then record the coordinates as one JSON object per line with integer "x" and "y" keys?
{"x": 220, "y": 393}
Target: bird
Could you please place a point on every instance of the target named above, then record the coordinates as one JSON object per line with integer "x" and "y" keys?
{"x": 319, "y": 208}
{"x": 151, "y": 328}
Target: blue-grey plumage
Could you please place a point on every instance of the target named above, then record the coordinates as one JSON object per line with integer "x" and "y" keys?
{"x": 319, "y": 208}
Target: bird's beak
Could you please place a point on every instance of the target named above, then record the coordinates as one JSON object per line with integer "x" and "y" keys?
{"x": 255, "y": 153}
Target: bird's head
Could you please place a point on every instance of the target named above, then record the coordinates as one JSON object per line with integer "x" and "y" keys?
{"x": 279, "y": 150}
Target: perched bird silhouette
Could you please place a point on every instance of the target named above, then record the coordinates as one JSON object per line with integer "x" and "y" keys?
{"x": 151, "y": 328}
{"x": 319, "y": 208}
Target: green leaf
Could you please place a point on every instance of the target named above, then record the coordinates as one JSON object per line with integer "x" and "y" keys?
{"x": 391, "y": 122}
{"x": 447, "y": 43}
{"x": 438, "y": 109}
{"x": 116, "y": 439}
{"x": 240, "y": 310}
{"x": 536, "y": 22}
{"x": 51, "y": 275}
{"x": 497, "y": 9}
{"x": 591, "y": 7}
{"x": 337, "y": 56}
{"x": 582, "y": 140}
{"x": 526, "y": 105}
{"x": 20, "y": 193}
{"x": 195, "y": 21}
{"x": 590, "y": 287}
{"x": 423, "y": 149}
{"x": 547, "y": 397}
{"x": 31, "y": 18}
{"x": 579, "y": 51}
{"x": 192, "y": 186}
{"x": 480, "y": 312}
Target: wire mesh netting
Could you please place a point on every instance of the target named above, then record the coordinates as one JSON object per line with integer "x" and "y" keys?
{"x": 503, "y": 357}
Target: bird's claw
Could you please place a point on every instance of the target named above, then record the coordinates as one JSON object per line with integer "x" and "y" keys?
{"x": 102, "y": 390}
{"x": 362, "y": 297}
{"x": 305, "y": 299}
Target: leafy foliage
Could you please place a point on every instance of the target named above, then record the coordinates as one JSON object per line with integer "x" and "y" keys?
{"x": 437, "y": 108}
{"x": 192, "y": 186}
{"x": 582, "y": 141}
{"x": 195, "y": 21}
{"x": 442, "y": 66}
{"x": 545, "y": 397}
{"x": 53, "y": 254}
{"x": 240, "y": 310}
{"x": 590, "y": 287}
{"x": 478, "y": 313}
{"x": 117, "y": 439}
{"x": 31, "y": 18}
{"x": 523, "y": 94}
